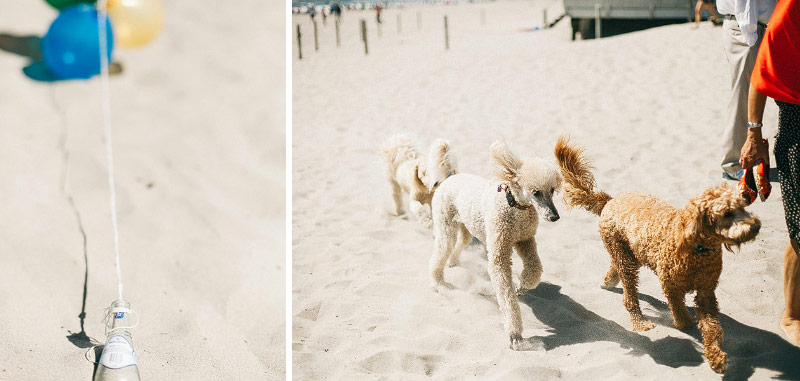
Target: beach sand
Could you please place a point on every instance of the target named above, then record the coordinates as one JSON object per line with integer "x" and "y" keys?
{"x": 648, "y": 107}
{"x": 199, "y": 129}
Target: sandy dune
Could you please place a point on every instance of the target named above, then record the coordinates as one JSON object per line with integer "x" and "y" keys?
{"x": 198, "y": 119}
{"x": 648, "y": 106}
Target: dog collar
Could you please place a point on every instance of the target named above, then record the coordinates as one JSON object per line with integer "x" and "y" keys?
{"x": 700, "y": 249}
{"x": 510, "y": 198}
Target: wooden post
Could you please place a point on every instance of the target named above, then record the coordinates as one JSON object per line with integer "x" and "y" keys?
{"x": 597, "y": 28}
{"x": 364, "y": 35}
{"x": 483, "y": 17}
{"x": 316, "y": 36}
{"x": 446, "y": 35}
{"x": 338, "y": 41}
{"x": 399, "y": 24}
{"x": 299, "y": 44}
{"x": 419, "y": 20}
{"x": 544, "y": 18}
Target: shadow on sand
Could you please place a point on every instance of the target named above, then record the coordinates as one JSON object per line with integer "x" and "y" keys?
{"x": 748, "y": 348}
{"x": 571, "y": 323}
{"x": 30, "y": 47}
{"x": 81, "y": 339}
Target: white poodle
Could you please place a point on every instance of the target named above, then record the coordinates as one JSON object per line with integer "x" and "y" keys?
{"x": 417, "y": 177}
{"x": 503, "y": 213}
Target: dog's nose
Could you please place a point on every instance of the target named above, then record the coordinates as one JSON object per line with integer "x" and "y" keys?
{"x": 553, "y": 218}
{"x": 756, "y": 228}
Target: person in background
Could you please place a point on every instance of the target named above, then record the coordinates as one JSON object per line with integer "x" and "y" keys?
{"x": 742, "y": 29}
{"x": 336, "y": 10}
{"x": 709, "y": 6}
{"x": 776, "y": 74}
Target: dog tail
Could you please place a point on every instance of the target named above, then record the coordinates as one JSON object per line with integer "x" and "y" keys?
{"x": 439, "y": 154}
{"x": 396, "y": 150}
{"x": 578, "y": 178}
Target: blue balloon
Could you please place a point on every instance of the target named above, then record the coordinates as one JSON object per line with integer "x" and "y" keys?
{"x": 71, "y": 48}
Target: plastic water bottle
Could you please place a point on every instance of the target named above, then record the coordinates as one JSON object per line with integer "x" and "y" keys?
{"x": 118, "y": 361}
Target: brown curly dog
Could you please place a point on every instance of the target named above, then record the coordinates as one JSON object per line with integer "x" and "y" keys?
{"x": 682, "y": 246}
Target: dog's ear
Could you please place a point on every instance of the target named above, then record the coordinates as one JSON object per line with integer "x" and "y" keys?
{"x": 507, "y": 168}
{"x": 693, "y": 224}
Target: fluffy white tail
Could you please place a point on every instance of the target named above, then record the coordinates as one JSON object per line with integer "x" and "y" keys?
{"x": 395, "y": 150}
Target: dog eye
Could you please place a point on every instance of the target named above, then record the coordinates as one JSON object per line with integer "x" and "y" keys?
{"x": 728, "y": 215}
{"x": 552, "y": 190}
{"x": 436, "y": 183}
{"x": 537, "y": 194}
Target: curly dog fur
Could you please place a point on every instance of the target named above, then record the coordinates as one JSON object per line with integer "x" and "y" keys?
{"x": 467, "y": 205}
{"x": 682, "y": 246}
{"x": 415, "y": 176}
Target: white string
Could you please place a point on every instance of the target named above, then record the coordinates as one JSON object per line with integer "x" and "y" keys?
{"x": 102, "y": 16}
{"x": 108, "y": 319}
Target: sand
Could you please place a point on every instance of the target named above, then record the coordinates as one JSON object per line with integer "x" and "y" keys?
{"x": 198, "y": 118}
{"x": 649, "y": 108}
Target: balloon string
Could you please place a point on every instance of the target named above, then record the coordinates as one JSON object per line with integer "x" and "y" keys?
{"x": 102, "y": 17}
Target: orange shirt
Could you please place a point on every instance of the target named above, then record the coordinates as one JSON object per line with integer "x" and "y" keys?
{"x": 777, "y": 70}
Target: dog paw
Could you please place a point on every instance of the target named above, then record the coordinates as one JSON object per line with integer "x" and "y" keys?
{"x": 518, "y": 343}
{"x": 526, "y": 285}
{"x": 454, "y": 262}
{"x": 522, "y": 290}
{"x": 427, "y": 224}
{"x": 609, "y": 284}
{"x": 718, "y": 361}
{"x": 643, "y": 325}
{"x": 437, "y": 276}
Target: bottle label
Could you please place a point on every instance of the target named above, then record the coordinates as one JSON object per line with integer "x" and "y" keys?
{"x": 118, "y": 353}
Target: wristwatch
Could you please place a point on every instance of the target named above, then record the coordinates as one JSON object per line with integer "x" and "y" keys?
{"x": 754, "y": 125}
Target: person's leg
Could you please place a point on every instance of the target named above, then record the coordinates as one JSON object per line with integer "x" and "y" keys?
{"x": 790, "y": 322}
{"x": 697, "y": 10}
{"x": 787, "y": 159}
{"x": 741, "y": 58}
{"x": 712, "y": 11}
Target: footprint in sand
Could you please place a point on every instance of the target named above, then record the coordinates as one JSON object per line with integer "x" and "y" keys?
{"x": 311, "y": 312}
{"x": 386, "y": 362}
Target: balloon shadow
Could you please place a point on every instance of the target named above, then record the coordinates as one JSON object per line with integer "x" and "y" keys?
{"x": 31, "y": 47}
{"x": 571, "y": 323}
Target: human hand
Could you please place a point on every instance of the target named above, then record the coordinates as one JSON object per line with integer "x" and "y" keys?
{"x": 754, "y": 150}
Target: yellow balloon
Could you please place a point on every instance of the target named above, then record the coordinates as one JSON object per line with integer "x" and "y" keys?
{"x": 135, "y": 22}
